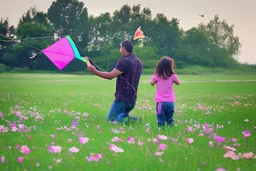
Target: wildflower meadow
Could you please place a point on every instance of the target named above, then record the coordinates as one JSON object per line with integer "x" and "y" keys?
{"x": 58, "y": 121}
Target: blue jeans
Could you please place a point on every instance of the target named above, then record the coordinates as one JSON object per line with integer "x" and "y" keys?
{"x": 164, "y": 112}
{"x": 119, "y": 110}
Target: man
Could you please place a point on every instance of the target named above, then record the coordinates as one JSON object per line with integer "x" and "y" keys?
{"x": 128, "y": 71}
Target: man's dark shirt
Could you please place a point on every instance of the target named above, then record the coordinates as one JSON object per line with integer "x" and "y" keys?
{"x": 127, "y": 83}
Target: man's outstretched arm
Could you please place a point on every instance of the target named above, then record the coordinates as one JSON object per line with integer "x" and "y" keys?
{"x": 107, "y": 75}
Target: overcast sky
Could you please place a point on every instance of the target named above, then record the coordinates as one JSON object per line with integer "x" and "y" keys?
{"x": 240, "y": 13}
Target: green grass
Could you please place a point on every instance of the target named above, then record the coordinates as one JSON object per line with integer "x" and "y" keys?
{"x": 61, "y": 99}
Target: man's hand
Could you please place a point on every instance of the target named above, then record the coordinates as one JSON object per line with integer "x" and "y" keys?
{"x": 107, "y": 75}
{"x": 91, "y": 68}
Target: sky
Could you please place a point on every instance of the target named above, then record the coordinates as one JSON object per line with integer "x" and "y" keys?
{"x": 240, "y": 13}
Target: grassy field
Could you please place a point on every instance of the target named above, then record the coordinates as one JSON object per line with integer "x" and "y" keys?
{"x": 37, "y": 112}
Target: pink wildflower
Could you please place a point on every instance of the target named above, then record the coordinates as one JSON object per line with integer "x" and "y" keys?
{"x": 162, "y": 137}
{"x": 24, "y": 149}
{"x": 74, "y": 150}
{"x": 94, "y": 157}
{"x": 115, "y": 148}
{"x": 83, "y": 140}
{"x": 20, "y": 159}
{"x": 116, "y": 139}
{"x": 130, "y": 140}
{"x": 190, "y": 140}
{"x": 162, "y": 147}
{"x": 248, "y": 155}
{"x": 219, "y": 139}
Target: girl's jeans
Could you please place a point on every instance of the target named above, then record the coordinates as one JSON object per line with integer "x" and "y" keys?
{"x": 164, "y": 112}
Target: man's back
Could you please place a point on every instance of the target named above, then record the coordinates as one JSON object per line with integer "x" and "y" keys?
{"x": 127, "y": 83}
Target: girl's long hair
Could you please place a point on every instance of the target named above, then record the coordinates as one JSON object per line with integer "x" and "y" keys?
{"x": 164, "y": 67}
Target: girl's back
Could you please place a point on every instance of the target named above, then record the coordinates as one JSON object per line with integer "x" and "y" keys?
{"x": 164, "y": 88}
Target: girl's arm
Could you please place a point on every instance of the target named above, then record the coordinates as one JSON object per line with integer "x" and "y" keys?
{"x": 153, "y": 82}
{"x": 176, "y": 79}
{"x": 177, "y": 82}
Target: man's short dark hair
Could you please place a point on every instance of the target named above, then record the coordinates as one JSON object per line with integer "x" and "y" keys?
{"x": 128, "y": 45}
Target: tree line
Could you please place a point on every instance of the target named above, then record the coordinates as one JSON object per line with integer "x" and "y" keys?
{"x": 213, "y": 44}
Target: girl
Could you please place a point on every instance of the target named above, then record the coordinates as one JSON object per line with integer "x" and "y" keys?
{"x": 164, "y": 77}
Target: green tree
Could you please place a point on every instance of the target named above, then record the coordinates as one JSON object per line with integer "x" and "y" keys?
{"x": 166, "y": 35}
{"x": 196, "y": 47}
{"x": 213, "y": 44}
{"x": 147, "y": 54}
{"x": 100, "y": 31}
{"x": 6, "y": 31}
{"x": 34, "y": 15}
{"x": 70, "y": 17}
{"x": 224, "y": 43}
{"x": 34, "y": 31}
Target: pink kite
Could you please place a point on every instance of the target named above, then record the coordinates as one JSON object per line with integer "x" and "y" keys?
{"x": 62, "y": 52}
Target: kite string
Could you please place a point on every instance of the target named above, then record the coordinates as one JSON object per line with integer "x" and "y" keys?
{"x": 19, "y": 40}
{"x": 42, "y": 37}
{"x": 13, "y": 40}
